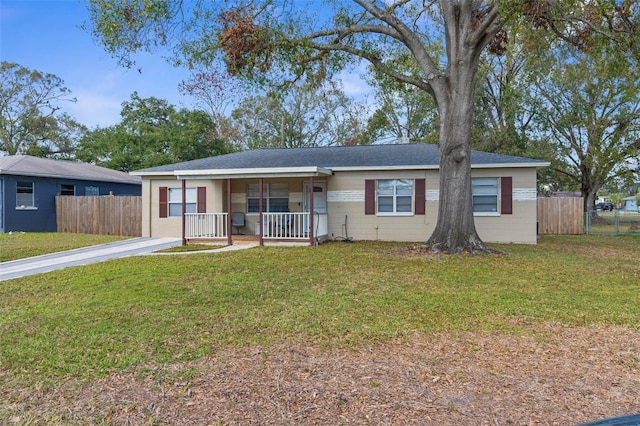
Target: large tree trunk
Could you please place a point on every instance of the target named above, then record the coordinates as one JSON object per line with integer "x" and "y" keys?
{"x": 455, "y": 230}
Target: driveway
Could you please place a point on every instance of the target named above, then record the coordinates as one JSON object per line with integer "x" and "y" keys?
{"x": 84, "y": 256}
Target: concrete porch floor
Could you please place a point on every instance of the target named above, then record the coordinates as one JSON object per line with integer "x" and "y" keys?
{"x": 251, "y": 240}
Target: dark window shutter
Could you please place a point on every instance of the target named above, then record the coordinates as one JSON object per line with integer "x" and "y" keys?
{"x": 420, "y": 197}
{"x": 506, "y": 194}
{"x": 370, "y": 196}
{"x": 164, "y": 201}
{"x": 202, "y": 200}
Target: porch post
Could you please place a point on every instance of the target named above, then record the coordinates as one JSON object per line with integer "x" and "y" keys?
{"x": 311, "y": 215}
{"x": 184, "y": 212}
{"x": 260, "y": 206}
{"x": 229, "y": 207}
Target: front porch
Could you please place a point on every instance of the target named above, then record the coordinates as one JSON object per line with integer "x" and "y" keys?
{"x": 275, "y": 205}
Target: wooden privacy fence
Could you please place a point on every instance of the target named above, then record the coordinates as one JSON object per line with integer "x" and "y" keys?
{"x": 560, "y": 215}
{"x": 104, "y": 215}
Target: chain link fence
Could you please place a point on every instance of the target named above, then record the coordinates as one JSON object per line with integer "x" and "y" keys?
{"x": 617, "y": 222}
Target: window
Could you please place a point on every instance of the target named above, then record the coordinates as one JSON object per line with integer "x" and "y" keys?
{"x": 91, "y": 190}
{"x": 170, "y": 201}
{"x": 67, "y": 189}
{"x": 24, "y": 195}
{"x": 395, "y": 196}
{"x": 485, "y": 195}
{"x": 175, "y": 201}
{"x": 275, "y": 198}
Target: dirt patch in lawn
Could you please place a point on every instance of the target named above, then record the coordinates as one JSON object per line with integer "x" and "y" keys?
{"x": 546, "y": 375}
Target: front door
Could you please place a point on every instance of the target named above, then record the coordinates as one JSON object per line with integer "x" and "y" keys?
{"x": 319, "y": 197}
{"x": 319, "y": 208}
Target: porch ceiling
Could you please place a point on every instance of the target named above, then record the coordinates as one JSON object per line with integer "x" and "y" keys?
{"x": 271, "y": 172}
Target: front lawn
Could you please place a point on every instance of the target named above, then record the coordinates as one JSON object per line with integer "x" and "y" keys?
{"x": 20, "y": 245}
{"x": 140, "y": 311}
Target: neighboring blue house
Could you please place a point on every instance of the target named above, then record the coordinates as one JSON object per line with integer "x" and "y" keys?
{"x": 631, "y": 204}
{"x": 29, "y": 185}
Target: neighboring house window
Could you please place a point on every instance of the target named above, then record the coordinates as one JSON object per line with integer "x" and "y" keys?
{"x": 67, "y": 189}
{"x": 24, "y": 195}
{"x": 492, "y": 195}
{"x": 275, "y": 198}
{"x": 175, "y": 201}
{"x": 394, "y": 197}
{"x": 91, "y": 190}
{"x": 170, "y": 201}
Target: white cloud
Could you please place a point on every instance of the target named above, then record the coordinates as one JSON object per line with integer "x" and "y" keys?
{"x": 95, "y": 109}
{"x": 352, "y": 82}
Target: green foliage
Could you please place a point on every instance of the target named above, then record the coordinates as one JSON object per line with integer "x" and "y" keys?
{"x": 617, "y": 199}
{"x": 30, "y": 120}
{"x": 404, "y": 111}
{"x": 588, "y": 110}
{"x": 151, "y": 133}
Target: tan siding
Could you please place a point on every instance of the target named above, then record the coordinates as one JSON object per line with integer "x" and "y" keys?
{"x": 372, "y": 227}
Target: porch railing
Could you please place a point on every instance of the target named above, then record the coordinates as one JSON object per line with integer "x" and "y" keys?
{"x": 205, "y": 225}
{"x": 291, "y": 226}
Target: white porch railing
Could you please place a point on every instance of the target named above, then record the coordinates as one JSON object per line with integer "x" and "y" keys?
{"x": 205, "y": 225}
{"x": 286, "y": 226}
{"x": 290, "y": 226}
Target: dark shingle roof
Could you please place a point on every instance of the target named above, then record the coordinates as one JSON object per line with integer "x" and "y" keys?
{"x": 26, "y": 165}
{"x": 361, "y": 156}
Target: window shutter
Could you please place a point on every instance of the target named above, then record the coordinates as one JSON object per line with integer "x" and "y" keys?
{"x": 420, "y": 197}
{"x": 164, "y": 201}
{"x": 370, "y": 196}
{"x": 506, "y": 195}
{"x": 202, "y": 200}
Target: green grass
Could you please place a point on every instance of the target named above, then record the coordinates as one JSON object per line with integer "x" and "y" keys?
{"x": 19, "y": 245}
{"x": 605, "y": 223}
{"x": 149, "y": 311}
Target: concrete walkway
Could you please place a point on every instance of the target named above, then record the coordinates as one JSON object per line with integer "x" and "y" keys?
{"x": 84, "y": 256}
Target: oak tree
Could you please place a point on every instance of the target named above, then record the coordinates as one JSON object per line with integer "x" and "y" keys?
{"x": 280, "y": 41}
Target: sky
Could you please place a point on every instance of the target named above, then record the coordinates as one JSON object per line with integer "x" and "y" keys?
{"x": 45, "y": 35}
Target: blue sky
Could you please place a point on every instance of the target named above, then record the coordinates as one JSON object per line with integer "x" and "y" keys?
{"x": 44, "y": 35}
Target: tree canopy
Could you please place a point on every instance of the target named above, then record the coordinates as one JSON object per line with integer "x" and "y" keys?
{"x": 307, "y": 115}
{"x": 30, "y": 118}
{"x": 151, "y": 133}
{"x": 590, "y": 111}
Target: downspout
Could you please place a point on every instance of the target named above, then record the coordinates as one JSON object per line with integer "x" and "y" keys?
{"x": 311, "y": 237}
{"x": 184, "y": 212}
{"x": 260, "y": 207}
{"x": 229, "y": 228}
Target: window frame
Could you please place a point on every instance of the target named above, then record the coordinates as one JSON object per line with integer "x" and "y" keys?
{"x": 20, "y": 205}
{"x": 486, "y": 195}
{"x": 269, "y": 195}
{"x": 395, "y": 196}
{"x": 174, "y": 204}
